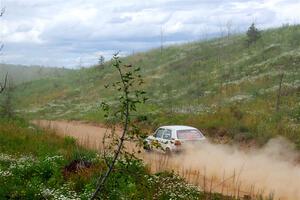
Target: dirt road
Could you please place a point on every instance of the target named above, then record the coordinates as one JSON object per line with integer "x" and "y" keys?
{"x": 222, "y": 168}
{"x": 86, "y": 134}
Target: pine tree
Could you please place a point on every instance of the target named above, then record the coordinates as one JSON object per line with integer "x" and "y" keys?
{"x": 101, "y": 60}
{"x": 253, "y": 34}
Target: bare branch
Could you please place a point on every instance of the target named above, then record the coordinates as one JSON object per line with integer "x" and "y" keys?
{"x": 2, "y": 87}
{"x": 279, "y": 92}
{"x": 2, "y": 11}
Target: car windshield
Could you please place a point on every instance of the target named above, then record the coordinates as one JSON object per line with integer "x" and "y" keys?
{"x": 190, "y": 134}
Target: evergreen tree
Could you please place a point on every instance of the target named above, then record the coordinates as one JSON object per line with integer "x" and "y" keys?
{"x": 101, "y": 60}
{"x": 253, "y": 34}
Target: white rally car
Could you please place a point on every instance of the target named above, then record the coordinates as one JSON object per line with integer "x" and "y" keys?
{"x": 173, "y": 138}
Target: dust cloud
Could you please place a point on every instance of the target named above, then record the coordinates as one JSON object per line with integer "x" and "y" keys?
{"x": 271, "y": 170}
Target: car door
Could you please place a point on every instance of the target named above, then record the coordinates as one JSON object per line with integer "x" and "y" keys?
{"x": 157, "y": 138}
{"x": 166, "y": 138}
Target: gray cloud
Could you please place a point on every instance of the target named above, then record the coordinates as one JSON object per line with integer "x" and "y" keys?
{"x": 60, "y": 33}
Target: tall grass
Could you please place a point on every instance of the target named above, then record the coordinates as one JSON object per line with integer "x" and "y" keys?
{"x": 229, "y": 184}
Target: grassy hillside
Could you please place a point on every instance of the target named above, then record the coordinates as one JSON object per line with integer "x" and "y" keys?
{"x": 21, "y": 74}
{"x": 220, "y": 86}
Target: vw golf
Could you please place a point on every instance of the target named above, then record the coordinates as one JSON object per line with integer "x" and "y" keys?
{"x": 173, "y": 138}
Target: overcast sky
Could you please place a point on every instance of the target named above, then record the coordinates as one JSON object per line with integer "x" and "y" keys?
{"x": 70, "y": 32}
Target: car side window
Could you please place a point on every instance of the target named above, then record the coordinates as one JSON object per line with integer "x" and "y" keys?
{"x": 167, "y": 134}
{"x": 159, "y": 133}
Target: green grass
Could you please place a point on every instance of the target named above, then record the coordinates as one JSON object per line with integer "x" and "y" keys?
{"x": 20, "y": 137}
{"x": 32, "y": 163}
{"x": 203, "y": 83}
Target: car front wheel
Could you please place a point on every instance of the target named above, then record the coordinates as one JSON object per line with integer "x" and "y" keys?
{"x": 147, "y": 147}
{"x": 168, "y": 151}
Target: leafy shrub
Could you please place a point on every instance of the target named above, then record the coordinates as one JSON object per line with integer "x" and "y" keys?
{"x": 131, "y": 180}
{"x": 25, "y": 175}
{"x": 167, "y": 185}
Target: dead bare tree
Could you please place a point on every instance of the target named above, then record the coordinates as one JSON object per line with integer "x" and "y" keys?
{"x": 279, "y": 91}
{"x": 161, "y": 40}
{"x": 2, "y": 11}
{"x": 220, "y": 43}
{"x": 7, "y": 105}
{"x": 228, "y": 28}
{"x": 3, "y": 85}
